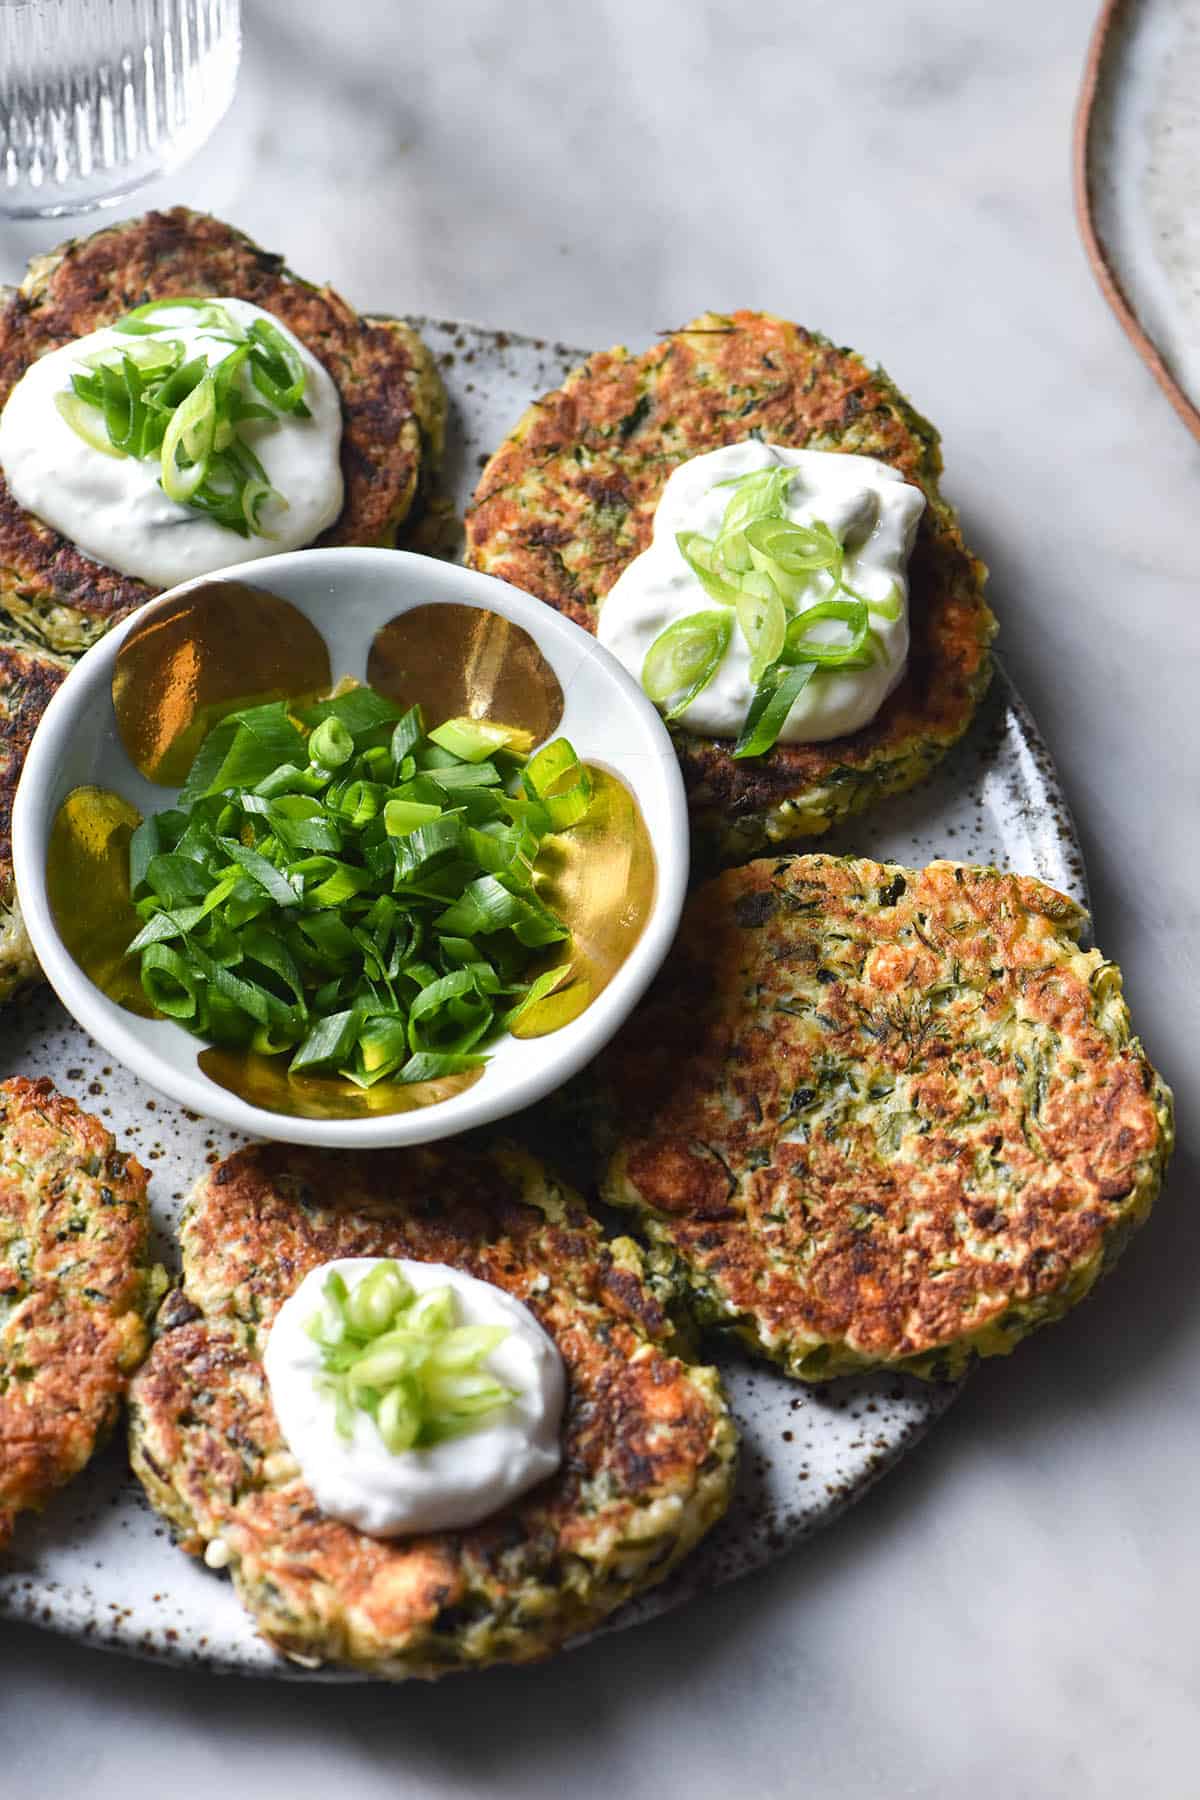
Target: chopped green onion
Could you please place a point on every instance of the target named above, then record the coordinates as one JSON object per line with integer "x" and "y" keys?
{"x": 255, "y": 495}
{"x": 402, "y": 816}
{"x": 801, "y": 648}
{"x": 795, "y": 549}
{"x": 406, "y": 736}
{"x": 558, "y": 781}
{"x": 210, "y": 316}
{"x": 147, "y": 356}
{"x": 889, "y": 608}
{"x": 350, "y": 893}
{"x": 764, "y": 626}
{"x": 86, "y": 423}
{"x": 474, "y": 740}
{"x": 683, "y": 659}
{"x": 192, "y": 431}
{"x": 762, "y": 564}
{"x": 773, "y": 700}
{"x": 759, "y": 495}
{"x": 329, "y": 1042}
{"x": 144, "y": 401}
{"x": 331, "y": 744}
{"x": 699, "y": 554}
{"x": 360, "y": 710}
{"x": 403, "y": 1360}
{"x": 169, "y": 983}
{"x": 431, "y": 1066}
{"x": 277, "y": 371}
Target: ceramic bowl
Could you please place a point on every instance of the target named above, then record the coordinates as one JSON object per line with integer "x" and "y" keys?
{"x": 348, "y": 595}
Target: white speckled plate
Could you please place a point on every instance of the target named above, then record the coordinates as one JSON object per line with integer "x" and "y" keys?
{"x": 99, "y": 1565}
{"x": 1137, "y": 183}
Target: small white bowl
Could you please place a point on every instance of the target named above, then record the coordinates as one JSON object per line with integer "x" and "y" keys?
{"x": 348, "y": 594}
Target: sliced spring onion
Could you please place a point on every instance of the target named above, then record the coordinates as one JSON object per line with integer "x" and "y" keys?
{"x": 336, "y": 886}
{"x": 773, "y": 700}
{"x": 402, "y": 816}
{"x": 797, "y": 548}
{"x": 474, "y": 740}
{"x": 404, "y": 1360}
{"x": 699, "y": 554}
{"x": 276, "y": 369}
{"x": 683, "y": 659}
{"x": 169, "y": 982}
{"x": 764, "y": 624}
{"x": 889, "y": 608}
{"x": 146, "y": 354}
{"x": 758, "y": 495}
{"x": 86, "y": 423}
{"x": 763, "y": 565}
{"x": 191, "y": 432}
{"x": 558, "y": 781}
{"x": 144, "y": 401}
{"x": 255, "y": 495}
{"x": 210, "y": 316}
{"x": 331, "y": 744}
{"x": 245, "y": 748}
{"x": 798, "y": 556}
{"x": 799, "y": 647}
{"x": 329, "y": 1043}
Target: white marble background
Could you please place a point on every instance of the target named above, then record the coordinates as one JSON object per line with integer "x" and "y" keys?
{"x": 1013, "y": 1613}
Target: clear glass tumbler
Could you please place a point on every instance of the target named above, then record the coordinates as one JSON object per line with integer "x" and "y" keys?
{"x": 99, "y": 96}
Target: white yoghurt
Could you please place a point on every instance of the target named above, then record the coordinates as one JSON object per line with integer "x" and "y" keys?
{"x": 113, "y": 509}
{"x": 868, "y": 506}
{"x": 358, "y": 1479}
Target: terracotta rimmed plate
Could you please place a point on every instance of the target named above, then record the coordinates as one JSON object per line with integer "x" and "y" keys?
{"x": 1137, "y": 183}
{"x": 99, "y": 1565}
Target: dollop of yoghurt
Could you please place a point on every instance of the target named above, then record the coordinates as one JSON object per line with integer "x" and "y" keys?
{"x": 113, "y": 509}
{"x": 871, "y": 510}
{"x": 454, "y": 1483}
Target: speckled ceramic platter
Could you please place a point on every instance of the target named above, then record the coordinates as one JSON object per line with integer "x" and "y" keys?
{"x": 1137, "y": 183}
{"x": 99, "y": 1565}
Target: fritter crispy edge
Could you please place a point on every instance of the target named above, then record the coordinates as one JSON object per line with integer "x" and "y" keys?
{"x": 392, "y": 397}
{"x": 75, "y": 1289}
{"x": 28, "y": 679}
{"x": 830, "y": 1256}
{"x": 650, "y": 1451}
{"x": 591, "y": 510}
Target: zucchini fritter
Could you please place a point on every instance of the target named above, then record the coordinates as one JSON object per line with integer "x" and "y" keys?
{"x": 392, "y": 398}
{"x": 649, "y": 1452}
{"x": 568, "y": 501}
{"x": 54, "y": 601}
{"x": 74, "y": 1289}
{"x": 872, "y": 1116}
{"x": 28, "y": 678}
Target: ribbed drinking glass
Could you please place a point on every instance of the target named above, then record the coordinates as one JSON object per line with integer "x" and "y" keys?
{"x": 99, "y": 96}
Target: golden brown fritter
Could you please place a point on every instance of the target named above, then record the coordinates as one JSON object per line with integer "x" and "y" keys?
{"x": 871, "y": 1115}
{"x": 649, "y": 1446}
{"x": 392, "y": 398}
{"x": 55, "y": 599}
{"x": 569, "y": 498}
{"x": 74, "y": 1290}
{"x": 28, "y": 679}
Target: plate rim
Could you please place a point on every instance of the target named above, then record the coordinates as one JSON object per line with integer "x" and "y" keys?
{"x": 1112, "y": 15}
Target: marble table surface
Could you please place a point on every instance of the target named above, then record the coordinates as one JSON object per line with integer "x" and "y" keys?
{"x": 1013, "y": 1612}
